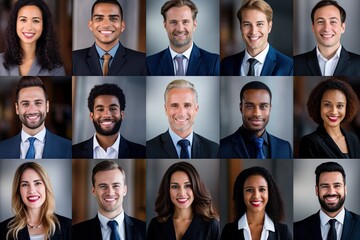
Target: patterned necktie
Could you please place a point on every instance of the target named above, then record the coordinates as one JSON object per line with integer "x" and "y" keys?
{"x": 114, "y": 235}
{"x": 252, "y": 62}
{"x": 105, "y": 67}
{"x": 184, "y": 153}
{"x": 259, "y": 144}
{"x": 180, "y": 70}
{"x": 31, "y": 151}
{"x": 332, "y": 231}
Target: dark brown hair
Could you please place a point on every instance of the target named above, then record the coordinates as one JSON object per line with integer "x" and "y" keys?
{"x": 106, "y": 165}
{"x": 30, "y": 81}
{"x": 324, "y": 3}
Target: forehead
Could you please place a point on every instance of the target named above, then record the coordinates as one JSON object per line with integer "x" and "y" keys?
{"x": 255, "y": 180}
{"x": 179, "y": 176}
{"x": 29, "y": 174}
{"x": 331, "y": 177}
{"x": 256, "y": 95}
{"x": 180, "y": 95}
{"x": 106, "y": 8}
{"x": 183, "y": 12}
{"x": 30, "y": 10}
{"x": 253, "y": 15}
{"x": 29, "y": 93}
{"x": 327, "y": 12}
{"x": 106, "y": 100}
{"x": 335, "y": 95}
{"x": 109, "y": 176}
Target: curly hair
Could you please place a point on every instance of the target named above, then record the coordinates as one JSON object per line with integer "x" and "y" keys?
{"x": 275, "y": 206}
{"x": 47, "y": 215}
{"x": 314, "y": 101}
{"x": 47, "y": 47}
{"x": 106, "y": 89}
{"x": 202, "y": 204}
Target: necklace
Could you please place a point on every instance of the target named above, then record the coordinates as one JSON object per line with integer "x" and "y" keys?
{"x": 34, "y": 227}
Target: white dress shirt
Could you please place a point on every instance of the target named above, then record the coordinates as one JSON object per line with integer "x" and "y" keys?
{"x": 186, "y": 58}
{"x": 39, "y": 144}
{"x": 328, "y": 66}
{"x": 175, "y": 138}
{"x": 325, "y": 226}
{"x": 106, "y": 230}
{"x": 268, "y": 226}
{"x": 111, "y": 152}
{"x": 258, "y": 67}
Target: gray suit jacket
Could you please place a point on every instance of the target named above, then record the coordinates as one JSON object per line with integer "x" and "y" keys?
{"x": 35, "y": 69}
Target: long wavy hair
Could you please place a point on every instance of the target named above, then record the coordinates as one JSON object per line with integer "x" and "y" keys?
{"x": 47, "y": 47}
{"x": 47, "y": 215}
{"x": 202, "y": 204}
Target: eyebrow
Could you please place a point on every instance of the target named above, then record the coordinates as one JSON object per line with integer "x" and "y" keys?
{"x": 37, "y": 180}
{"x": 178, "y": 183}
{"x": 102, "y": 15}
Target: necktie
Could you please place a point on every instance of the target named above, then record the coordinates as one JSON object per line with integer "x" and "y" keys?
{"x": 252, "y": 62}
{"x": 180, "y": 70}
{"x": 114, "y": 235}
{"x": 31, "y": 151}
{"x": 105, "y": 67}
{"x": 332, "y": 231}
{"x": 259, "y": 144}
{"x": 184, "y": 143}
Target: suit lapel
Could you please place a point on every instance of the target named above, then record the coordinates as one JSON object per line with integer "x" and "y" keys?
{"x": 348, "y": 225}
{"x": 168, "y": 145}
{"x": 48, "y": 144}
{"x": 239, "y": 145}
{"x": 166, "y": 64}
{"x": 194, "y": 228}
{"x": 118, "y": 61}
{"x": 95, "y": 228}
{"x": 315, "y": 226}
{"x": 313, "y": 64}
{"x": 93, "y": 62}
{"x": 237, "y": 64}
{"x": 129, "y": 228}
{"x": 197, "y": 147}
{"x": 35, "y": 68}
{"x": 343, "y": 64}
{"x": 87, "y": 150}
{"x": 273, "y": 146}
{"x": 194, "y": 61}
{"x": 168, "y": 229}
{"x": 123, "y": 148}
{"x": 270, "y": 63}
{"x": 328, "y": 144}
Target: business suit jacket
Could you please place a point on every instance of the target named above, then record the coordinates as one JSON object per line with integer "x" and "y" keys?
{"x": 306, "y": 64}
{"x": 126, "y": 62}
{"x": 201, "y": 63}
{"x": 35, "y": 70}
{"x": 231, "y": 232}
{"x": 127, "y": 149}
{"x": 319, "y": 144}
{"x": 309, "y": 228}
{"x": 233, "y": 146}
{"x": 162, "y": 146}
{"x": 55, "y": 147}
{"x": 62, "y": 233}
{"x": 198, "y": 229}
{"x": 91, "y": 230}
{"x": 276, "y": 64}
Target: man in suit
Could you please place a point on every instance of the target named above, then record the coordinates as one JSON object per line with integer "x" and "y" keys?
{"x": 106, "y": 104}
{"x": 252, "y": 140}
{"x": 182, "y": 57}
{"x": 333, "y": 221}
{"x": 34, "y": 141}
{"x": 108, "y": 56}
{"x": 109, "y": 188}
{"x": 179, "y": 141}
{"x": 259, "y": 58}
{"x": 329, "y": 57}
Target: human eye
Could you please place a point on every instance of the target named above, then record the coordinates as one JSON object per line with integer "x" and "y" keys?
{"x": 340, "y": 106}
{"x": 249, "y": 190}
{"x": 23, "y": 185}
{"x": 262, "y": 189}
{"x": 25, "y": 104}
{"x": 320, "y": 21}
{"x": 187, "y": 105}
{"x": 188, "y": 185}
{"x": 38, "y": 183}
{"x": 98, "y": 18}
{"x": 327, "y": 105}
{"x": 248, "y": 106}
{"x": 116, "y": 185}
{"x": 260, "y": 24}
{"x": 114, "y": 19}
{"x": 174, "y": 186}
{"x": 100, "y": 109}
{"x": 264, "y": 106}
{"x": 102, "y": 187}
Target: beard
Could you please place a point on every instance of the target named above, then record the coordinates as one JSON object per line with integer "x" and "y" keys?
{"x": 180, "y": 43}
{"x": 109, "y": 132}
{"x": 332, "y": 208}
{"x": 35, "y": 125}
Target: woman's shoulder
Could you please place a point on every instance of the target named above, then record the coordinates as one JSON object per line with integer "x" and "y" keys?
{"x": 64, "y": 220}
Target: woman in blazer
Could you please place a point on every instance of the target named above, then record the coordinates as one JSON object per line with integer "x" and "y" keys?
{"x": 331, "y": 103}
{"x": 31, "y": 45}
{"x": 33, "y": 203}
{"x": 259, "y": 208}
{"x": 184, "y": 207}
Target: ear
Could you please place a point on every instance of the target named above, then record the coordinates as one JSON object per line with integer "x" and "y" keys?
{"x": 317, "y": 190}
{"x": 47, "y": 106}
{"x": 93, "y": 191}
{"x": 197, "y": 108}
{"x": 195, "y": 25}
{"x": 122, "y": 114}
{"x": 90, "y": 22}
{"x": 164, "y": 23}
{"x": 270, "y": 26}
{"x": 345, "y": 190}
{"x": 240, "y": 106}
{"x": 125, "y": 190}
{"x": 312, "y": 28}
{"x": 343, "y": 26}
{"x": 123, "y": 26}
{"x": 91, "y": 116}
{"x": 17, "y": 108}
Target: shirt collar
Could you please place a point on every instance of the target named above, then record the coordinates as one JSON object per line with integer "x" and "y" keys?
{"x": 324, "y": 218}
{"x": 39, "y": 136}
{"x": 336, "y": 55}
{"x": 175, "y": 138}
{"x": 104, "y": 220}
{"x": 249, "y": 136}
{"x": 115, "y": 146}
{"x": 112, "y": 51}
{"x": 260, "y": 57}
{"x": 268, "y": 223}
{"x": 186, "y": 53}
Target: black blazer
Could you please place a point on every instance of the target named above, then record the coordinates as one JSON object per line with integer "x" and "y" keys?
{"x": 127, "y": 149}
{"x": 231, "y": 232}
{"x": 306, "y": 64}
{"x": 319, "y": 144}
{"x": 135, "y": 229}
{"x": 162, "y": 147}
{"x": 62, "y": 233}
{"x": 126, "y": 62}
{"x": 199, "y": 229}
{"x": 233, "y": 146}
{"x": 309, "y": 228}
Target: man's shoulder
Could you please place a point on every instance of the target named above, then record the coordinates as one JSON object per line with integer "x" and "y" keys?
{"x": 233, "y": 58}
{"x": 58, "y": 139}
{"x": 134, "y": 145}
{"x": 10, "y": 140}
{"x": 81, "y": 145}
{"x": 279, "y": 140}
{"x": 85, "y": 224}
{"x": 137, "y": 222}
{"x": 229, "y": 139}
{"x": 206, "y": 141}
{"x": 157, "y": 55}
{"x": 304, "y": 56}
{"x": 306, "y": 221}
{"x": 135, "y": 53}
{"x": 207, "y": 54}
{"x": 281, "y": 56}
{"x": 156, "y": 140}
{"x": 81, "y": 52}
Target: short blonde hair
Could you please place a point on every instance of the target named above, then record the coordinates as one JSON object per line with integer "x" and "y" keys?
{"x": 260, "y": 5}
{"x": 180, "y": 83}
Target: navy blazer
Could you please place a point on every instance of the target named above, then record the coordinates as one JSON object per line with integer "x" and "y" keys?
{"x": 201, "y": 63}
{"x": 135, "y": 229}
{"x": 62, "y": 233}
{"x": 233, "y": 146}
{"x": 319, "y": 144}
{"x": 127, "y": 149}
{"x": 309, "y": 228}
{"x": 231, "y": 232}
{"x": 126, "y": 62}
{"x": 276, "y": 64}
{"x": 198, "y": 229}
{"x": 35, "y": 70}
{"x": 55, "y": 147}
{"x": 307, "y": 64}
{"x": 162, "y": 146}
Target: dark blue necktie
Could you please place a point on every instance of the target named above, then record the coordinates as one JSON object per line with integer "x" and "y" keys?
{"x": 259, "y": 151}
{"x": 252, "y": 62}
{"x": 31, "y": 151}
{"x": 332, "y": 231}
{"x": 184, "y": 143}
{"x": 114, "y": 233}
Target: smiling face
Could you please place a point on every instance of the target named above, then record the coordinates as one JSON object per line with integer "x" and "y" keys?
{"x": 32, "y": 189}
{"x": 333, "y": 108}
{"x": 106, "y": 25}
{"x": 255, "y": 194}
{"x": 255, "y": 30}
{"x": 331, "y": 192}
{"x": 109, "y": 190}
{"x": 181, "y": 193}
{"x": 29, "y": 24}
{"x": 327, "y": 27}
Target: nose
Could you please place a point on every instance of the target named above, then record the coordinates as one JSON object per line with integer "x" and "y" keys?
{"x": 256, "y": 111}
{"x": 179, "y": 26}
{"x": 333, "y": 109}
{"x": 182, "y": 191}
{"x": 256, "y": 193}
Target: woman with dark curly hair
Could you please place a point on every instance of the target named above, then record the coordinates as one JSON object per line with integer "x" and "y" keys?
{"x": 184, "y": 207}
{"x": 331, "y": 103}
{"x": 259, "y": 208}
{"x": 32, "y": 48}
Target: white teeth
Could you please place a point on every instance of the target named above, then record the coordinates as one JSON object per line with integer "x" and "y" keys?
{"x": 109, "y": 199}
{"x": 29, "y": 34}
{"x": 106, "y": 32}
{"x": 32, "y": 117}
{"x": 106, "y": 122}
{"x": 33, "y": 198}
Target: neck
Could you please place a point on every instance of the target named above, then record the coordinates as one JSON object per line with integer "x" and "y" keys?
{"x": 334, "y": 132}
{"x": 33, "y": 132}
{"x": 113, "y": 214}
{"x": 29, "y": 50}
{"x": 182, "y": 133}
{"x": 255, "y": 217}
{"x": 333, "y": 214}
{"x": 328, "y": 52}
{"x": 107, "y": 47}
{"x": 255, "y": 52}
{"x": 106, "y": 141}
{"x": 183, "y": 214}
{"x": 180, "y": 49}
{"x": 34, "y": 217}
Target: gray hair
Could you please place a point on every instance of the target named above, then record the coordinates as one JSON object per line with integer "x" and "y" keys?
{"x": 181, "y": 83}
